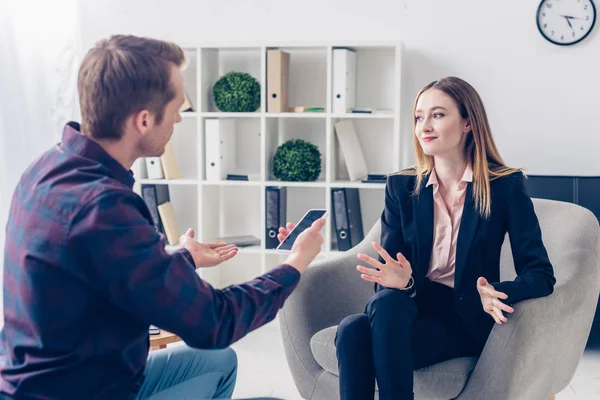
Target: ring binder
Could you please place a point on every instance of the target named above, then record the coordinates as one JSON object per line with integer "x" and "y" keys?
{"x": 347, "y": 217}
{"x": 275, "y": 207}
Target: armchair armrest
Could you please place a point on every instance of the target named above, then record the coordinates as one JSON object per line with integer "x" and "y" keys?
{"x": 329, "y": 290}
{"x": 535, "y": 354}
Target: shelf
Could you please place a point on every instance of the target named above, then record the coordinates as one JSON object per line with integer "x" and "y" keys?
{"x": 231, "y": 114}
{"x": 281, "y": 130}
{"x": 217, "y": 62}
{"x": 186, "y": 115}
{"x": 323, "y": 253}
{"x": 224, "y": 208}
{"x": 231, "y": 183}
{"x": 377, "y": 144}
{"x": 314, "y": 44}
{"x": 168, "y": 181}
{"x": 229, "y": 210}
{"x": 250, "y": 250}
{"x": 241, "y": 250}
{"x": 389, "y": 115}
{"x": 190, "y": 79}
{"x": 316, "y": 184}
{"x": 359, "y": 185}
{"x": 185, "y": 147}
{"x": 297, "y": 115}
{"x": 377, "y": 78}
{"x": 274, "y": 252}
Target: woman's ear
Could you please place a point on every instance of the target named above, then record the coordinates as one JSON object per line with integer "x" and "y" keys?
{"x": 467, "y": 126}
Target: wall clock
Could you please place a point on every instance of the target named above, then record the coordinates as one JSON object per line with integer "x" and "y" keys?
{"x": 566, "y": 22}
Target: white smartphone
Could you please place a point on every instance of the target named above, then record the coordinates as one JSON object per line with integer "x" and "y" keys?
{"x": 305, "y": 222}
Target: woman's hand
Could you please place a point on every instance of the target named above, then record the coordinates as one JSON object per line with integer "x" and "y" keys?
{"x": 490, "y": 300}
{"x": 392, "y": 274}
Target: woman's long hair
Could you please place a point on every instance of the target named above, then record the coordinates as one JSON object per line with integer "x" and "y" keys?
{"x": 481, "y": 151}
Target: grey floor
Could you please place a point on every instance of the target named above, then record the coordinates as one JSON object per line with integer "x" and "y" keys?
{"x": 263, "y": 370}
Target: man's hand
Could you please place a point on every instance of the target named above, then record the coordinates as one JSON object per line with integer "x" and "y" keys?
{"x": 393, "y": 274}
{"x": 283, "y": 232}
{"x": 206, "y": 254}
{"x": 306, "y": 246}
{"x": 490, "y": 300}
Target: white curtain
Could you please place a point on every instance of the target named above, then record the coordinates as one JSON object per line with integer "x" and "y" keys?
{"x": 40, "y": 52}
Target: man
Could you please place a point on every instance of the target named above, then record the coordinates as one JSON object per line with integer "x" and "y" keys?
{"x": 86, "y": 273}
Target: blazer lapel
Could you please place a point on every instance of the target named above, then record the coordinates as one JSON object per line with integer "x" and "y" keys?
{"x": 466, "y": 233}
{"x": 423, "y": 210}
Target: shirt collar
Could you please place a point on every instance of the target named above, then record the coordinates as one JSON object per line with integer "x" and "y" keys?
{"x": 74, "y": 142}
{"x": 466, "y": 177}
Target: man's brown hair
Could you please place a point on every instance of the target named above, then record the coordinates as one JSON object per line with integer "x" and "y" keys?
{"x": 122, "y": 75}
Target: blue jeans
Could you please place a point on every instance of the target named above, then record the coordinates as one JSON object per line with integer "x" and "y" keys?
{"x": 181, "y": 372}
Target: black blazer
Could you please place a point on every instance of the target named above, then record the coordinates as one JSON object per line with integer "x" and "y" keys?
{"x": 407, "y": 227}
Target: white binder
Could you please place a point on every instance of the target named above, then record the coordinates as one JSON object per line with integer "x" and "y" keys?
{"x": 154, "y": 168}
{"x": 353, "y": 155}
{"x": 219, "y": 148}
{"x": 344, "y": 80}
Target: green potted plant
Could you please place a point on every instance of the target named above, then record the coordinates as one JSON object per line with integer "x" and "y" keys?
{"x": 237, "y": 92}
{"x": 297, "y": 160}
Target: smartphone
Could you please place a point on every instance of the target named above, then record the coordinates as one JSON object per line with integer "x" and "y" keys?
{"x": 305, "y": 222}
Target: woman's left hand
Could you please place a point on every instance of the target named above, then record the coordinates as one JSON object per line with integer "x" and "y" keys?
{"x": 490, "y": 299}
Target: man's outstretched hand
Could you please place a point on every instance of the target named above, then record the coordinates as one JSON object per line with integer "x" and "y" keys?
{"x": 207, "y": 254}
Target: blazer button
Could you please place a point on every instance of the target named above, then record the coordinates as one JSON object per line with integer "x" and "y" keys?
{"x": 462, "y": 296}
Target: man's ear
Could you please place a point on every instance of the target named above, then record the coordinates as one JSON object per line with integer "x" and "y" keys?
{"x": 143, "y": 121}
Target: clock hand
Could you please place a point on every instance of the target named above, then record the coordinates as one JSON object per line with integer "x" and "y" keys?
{"x": 570, "y": 17}
{"x": 569, "y": 22}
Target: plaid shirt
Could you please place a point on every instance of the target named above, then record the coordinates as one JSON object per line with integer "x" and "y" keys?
{"x": 86, "y": 273}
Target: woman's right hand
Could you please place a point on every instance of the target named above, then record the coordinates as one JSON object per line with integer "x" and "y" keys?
{"x": 393, "y": 274}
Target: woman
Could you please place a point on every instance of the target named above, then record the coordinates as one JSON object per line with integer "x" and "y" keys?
{"x": 437, "y": 280}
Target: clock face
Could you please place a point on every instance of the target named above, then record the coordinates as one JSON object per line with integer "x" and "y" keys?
{"x": 566, "y": 22}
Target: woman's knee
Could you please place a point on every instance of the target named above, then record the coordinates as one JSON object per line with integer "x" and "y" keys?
{"x": 353, "y": 329}
{"x": 388, "y": 303}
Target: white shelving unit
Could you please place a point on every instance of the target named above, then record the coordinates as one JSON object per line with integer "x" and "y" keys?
{"x": 228, "y": 208}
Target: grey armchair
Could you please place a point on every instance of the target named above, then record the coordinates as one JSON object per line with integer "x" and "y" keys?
{"x": 533, "y": 356}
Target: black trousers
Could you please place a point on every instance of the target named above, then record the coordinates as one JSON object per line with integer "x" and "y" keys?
{"x": 396, "y": 335}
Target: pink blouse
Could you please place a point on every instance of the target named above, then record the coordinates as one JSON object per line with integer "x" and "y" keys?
{"x": 446, "y": 223}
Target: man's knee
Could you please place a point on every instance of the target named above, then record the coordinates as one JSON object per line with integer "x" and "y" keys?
{"x": 230, "y": 360}
{"x": 222, "y": 360}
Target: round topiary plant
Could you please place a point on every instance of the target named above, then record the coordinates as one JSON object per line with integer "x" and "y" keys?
{"x": 298, "y": 161}
{"x": 237, "y": 92}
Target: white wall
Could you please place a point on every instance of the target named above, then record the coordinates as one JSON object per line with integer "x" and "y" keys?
{"x": 39, "y": 58}
{"x": 543, "y": 100}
